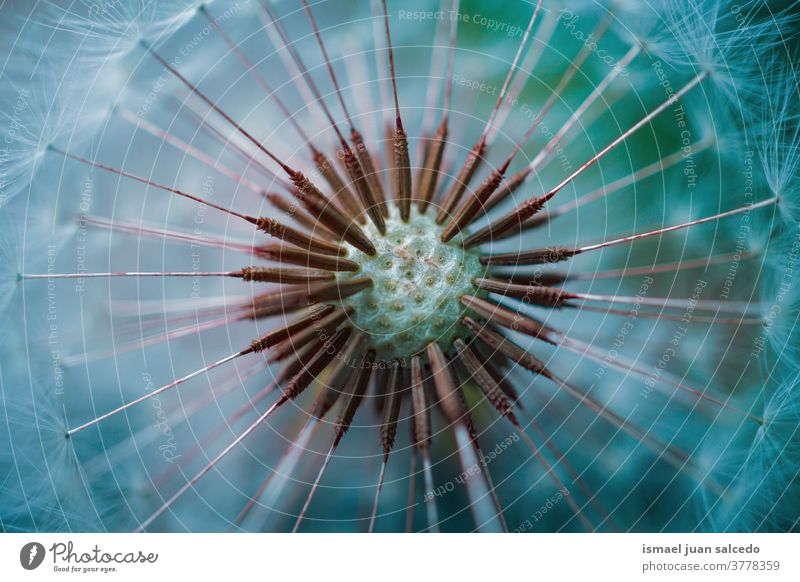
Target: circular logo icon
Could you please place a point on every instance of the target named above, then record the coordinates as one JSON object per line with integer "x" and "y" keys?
{"x": 31, "y": 555}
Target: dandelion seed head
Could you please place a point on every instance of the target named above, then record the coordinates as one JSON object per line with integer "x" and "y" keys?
{"x": 618, "y": 372}
{"x": 417, "y": 282}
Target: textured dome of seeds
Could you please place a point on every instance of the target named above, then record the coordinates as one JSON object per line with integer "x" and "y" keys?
{"x": 417, "y": 282}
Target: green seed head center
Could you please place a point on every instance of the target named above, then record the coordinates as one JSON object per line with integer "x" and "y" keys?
{"x": 417, "y": 284}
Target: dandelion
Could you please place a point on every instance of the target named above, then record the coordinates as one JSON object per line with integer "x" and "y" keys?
{"x": 344, "y": 317}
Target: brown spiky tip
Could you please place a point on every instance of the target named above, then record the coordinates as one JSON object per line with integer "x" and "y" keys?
{"x": 472, "y": 206}
{"x": 461, "y": 182}
{"x": 293, "y": 209}
{"x": 298, "y": 359}
{"x": 284, "y": 275}
{"x": 301, "y": 257}
{"x": 421, "y": 422}
{"x": 370, "y": 172}
{"x": 371, "y": 204}
{"x": 450, "y": 400}
{"x": 359, "y": 380}
{"x": 491, "y": 389}
{"x": 274, "y": 337}
{"x": 295, "y": 297}
{"x": 494, "y": 363}
{"x": 402, "y": 165}
{"x": 429, "y": 175}
{"x": 324, "y": 356}
{"x": 317, "y": 331}
{"x": 537, "y": 294}
{"x": 391, "y": 408}
{"x": 331, "y": 217}
{"x": 511, "y": 223}
{"x": 539, "y": 277}
{"x": 547, "y": 255}
{"x": 498, "y": 342}
{"x": 341, "y": 192}
{"x": 335, "y": 383}
{"x": 513, "y": 320}
{"x": 298, "y": 238}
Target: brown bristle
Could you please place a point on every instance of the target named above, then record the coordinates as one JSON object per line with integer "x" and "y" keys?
{"x": 538, "y": 277}
{"x": 340, "y": 190}
{"x": 301, "y": 67}
{"x": 295, "y": 211}
{"x": 434, "y": 155}
{"x": 485, "y": 381}
{"x": 421, "y": 164}
{"x": 547, "y": 255}
{"x": 494, "y": 362}
{"x": 391, "y": 408}
{"x": 535, "y": 365}
{"x": 214, "y": 107}
{"x": 402, "y": 166}
{"x": 460, "y": 183}
{"x": 504, "y": 345}
{"x": 536, "y": 294}
{"x": 300, "y": 239}
{"x": 253, "y": 72}
{"x": 507, "y": 318}
{"x": 368, "y": 177}
{"x": 354, "y": 170}
{"x": 557, "y": 254}
{"x": 369, "y": 200}
{"x": 421, "y": 421}
{"x": 341, "y": 193}
{"x": 607, "y": 189}
{"x": 388, "y": 151}
{"x": 174, "y": 235}
{"x": 266, "y": 307}
{"x": 538, "y": 220}
{"x": 470, "y": 208}
{"x": 516, "y": 180}
{"x": 359, "y": 381}
{"x": 324, "y": 211}
{"x": 183, "y": 106}
{"x": 298, "y": 360}
{"x": 370, "y": 173}
{"x": 297, "y": 256}
{"x": 276, "y": 336}
{"x": 317, "y": 364}
{"x": 500, "y": 194}
{"x": 284, "y": 276}
{"x": 318, "y": 329}
{"x": 476, "y": 155}
{"x": 460, "y": 377}
{"x": 335, "y": 384}
{"x": 450, "y": 401}
{"x": 302, "y": 295}
{"x": 507, "y": 225}
{"x": 429, "y": 174}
